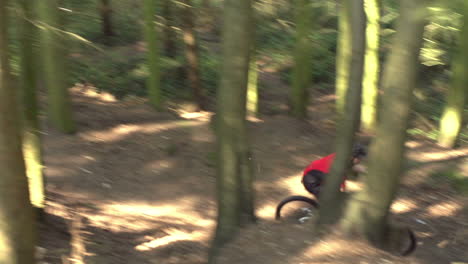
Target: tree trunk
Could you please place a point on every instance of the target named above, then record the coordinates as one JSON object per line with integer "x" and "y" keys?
{"x": 252, "y": 88}
{"x": 106, "y": 17}
{"x": 347, "y": 125}
{"x": 54, "y": 66}
{"x": 235, "y": 173}
{"x": 31, "y": 129}
{"x": 343, "y": 55}
{"x": 452, "y": 117}
{"x": 371, "y": 67}
{"x": 302, "y": 59}
{"x": 191, "y": 54}
{"x": 17, "y": 229}
{"x": 153, "y": 82}
{"x": 368, "y": 211}
{"x": 170, "y": 47}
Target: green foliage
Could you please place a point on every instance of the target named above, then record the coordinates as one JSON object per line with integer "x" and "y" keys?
{"x": 440, "y": 36}
{"x": 124, "y": 72}
{"x": 83, "y": 18}
{"x": 210, "y": 65}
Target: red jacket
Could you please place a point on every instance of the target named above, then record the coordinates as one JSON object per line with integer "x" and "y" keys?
{"x": 324, "y": 165}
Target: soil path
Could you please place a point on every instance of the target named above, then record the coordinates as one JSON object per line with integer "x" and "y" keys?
{"x": 142, "y": 185}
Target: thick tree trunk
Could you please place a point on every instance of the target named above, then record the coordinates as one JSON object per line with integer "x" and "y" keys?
{"x": 368, "y": 211}
{"x": 235, "y": 190}
{"x": 17, "y": 229}
{"x": 347, "y": 125}
{"x": 106, "y": 17}
{"x": 54, "y": 66}
{"x": 371, "y": 67}
{"x": 343, "y": 55}
{"x": 452, "y": 117}
{"x": 191, "y": 54}
{"x": 31, "y": 130}
{"x": 302, "y": 59}
{"x": 153, "y": 82}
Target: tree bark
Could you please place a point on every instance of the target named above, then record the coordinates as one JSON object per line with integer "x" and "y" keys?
{"x": 371, "y": 67}
{"x": 235, "y": 173}
{"x": 54, "y": 66}
{"x": 106, "y": 17}
{"x": 153, "y": 81}
{"x": 252, "y": 88}
{"x": 28, "y": 82}
{"x": 347, "y": 124}
{"x": 452, "y": 117}
{"x": 191, "y": 54}
{"x": 367, "y": 212}
{"x": 17, "y": 229}
{"x": 343, "y": 55}
{"x": 302, "y": 59}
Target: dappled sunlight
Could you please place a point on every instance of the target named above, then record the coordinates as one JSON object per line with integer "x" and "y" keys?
{"x": 448, "y": 209}
{"x": 144, "y": 216}
{"x": 92, "y": 92}
{"x": 328, "y": 247}
{"x": 439, "y": 155}
{"x": 413, "y": 144}
{"x": 201, "y": 115}
{"x": 120, "y": 132}
{"x": 267, "y": 211}
{"x": 337, "y": 247}
{"x": 160, "y": 164}
{"x": 403, "y": 205}
{"x": 292, "y": 184}
{"x": 172, "y": 235}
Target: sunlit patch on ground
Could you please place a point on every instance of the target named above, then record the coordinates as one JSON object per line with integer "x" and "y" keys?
{"x": 448, "y": 209}
{"x": 121, "y": 131}
{"x": 267, "y": 211}
{"x": 293, "y": 184}
{"x": 93, "y": 92}
{"x": 438, "y": 155}
{"x": 402, "y": 205}
{"x": 413, "y": 144}
{"x": 172, "y": 235}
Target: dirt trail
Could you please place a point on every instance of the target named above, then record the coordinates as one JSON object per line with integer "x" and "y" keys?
{"x": 144, "y": 183}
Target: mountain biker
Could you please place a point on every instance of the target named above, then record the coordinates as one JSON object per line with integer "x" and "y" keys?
{"x": 316, "y": 171}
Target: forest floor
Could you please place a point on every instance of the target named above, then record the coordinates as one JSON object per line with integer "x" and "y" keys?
{"x": 137, "y": 186}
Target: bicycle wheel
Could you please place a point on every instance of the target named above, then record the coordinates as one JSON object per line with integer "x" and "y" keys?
{"x": 294, "y": 198}
{"x": 412, "y": 243}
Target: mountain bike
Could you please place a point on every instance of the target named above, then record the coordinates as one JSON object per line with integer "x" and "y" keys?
{"x": 315, "y": 205}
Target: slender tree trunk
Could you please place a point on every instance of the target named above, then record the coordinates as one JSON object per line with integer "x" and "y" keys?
{"x": 17, "y": 229}
{"x": 302, "y": 59}
{"x": 343, "y": 55}
{"x": 452, "y": 117}
{"x": 235, "y": 173}
{"x": 53, "y": 50}
{"x": 153, "y": 82}
{"x": 170, "y": 47}
{"x": 367, "y": 212}
{"x": 371, "y": 67}
{"x": 347, "y": 125}
{"x": 106, "y": 17}
{"x": 191, "y": 54}
{"x": 31, "y": 129}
